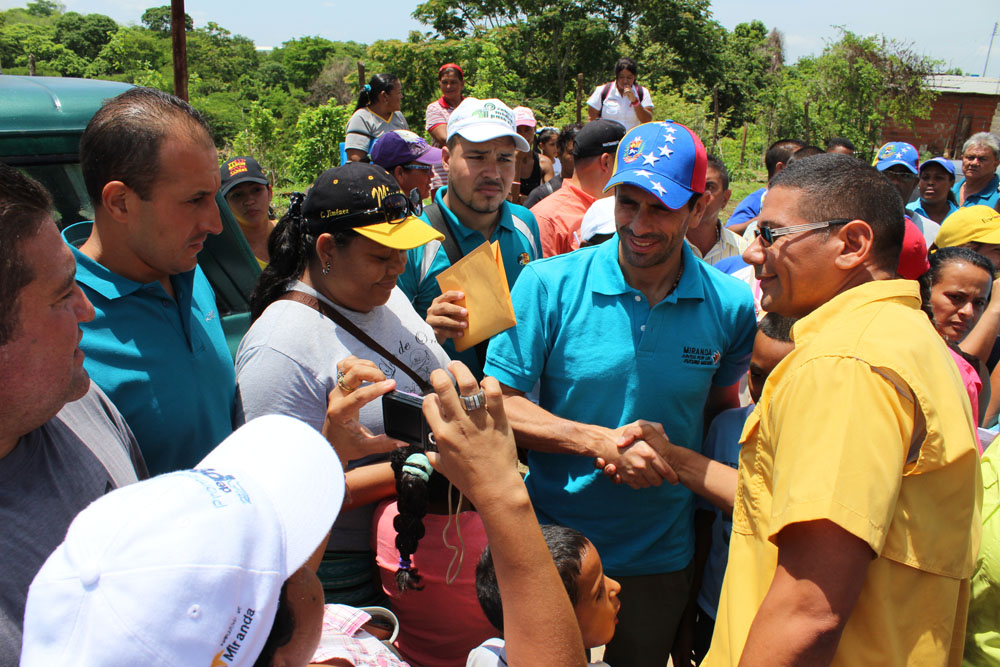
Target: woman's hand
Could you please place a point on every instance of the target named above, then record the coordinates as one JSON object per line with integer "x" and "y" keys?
{"x": 475, "y": 447}
{"x": 342, "y": 429}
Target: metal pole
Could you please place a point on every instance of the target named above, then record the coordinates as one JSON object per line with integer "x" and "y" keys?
{"x": 994, "y": 34}
{"x": 179, "y": 36}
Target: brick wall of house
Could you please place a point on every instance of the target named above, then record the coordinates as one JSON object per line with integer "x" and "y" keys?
{"x": 953, "y": 119}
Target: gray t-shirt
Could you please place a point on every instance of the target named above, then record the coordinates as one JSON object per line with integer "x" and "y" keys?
{"x": 47, "y": 479}
{"x": 364, "y": 127}
{"x": 287, "y": 364}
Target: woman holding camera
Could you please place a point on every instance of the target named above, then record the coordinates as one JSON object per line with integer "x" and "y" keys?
{"x": 329, "y": 293}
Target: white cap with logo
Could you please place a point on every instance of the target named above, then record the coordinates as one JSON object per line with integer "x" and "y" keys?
{"x": 483, "y": 120}
{"x": 187, "y": 568}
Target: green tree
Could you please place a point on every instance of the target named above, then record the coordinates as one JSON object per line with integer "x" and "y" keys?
{"x": 746, "y": 61}
{"x": 45, "y": 8}
{"x": 850, "y": 90}
{"x": 131, "y": 50}
{"x": 677, "y": 41}
{"x": 157, "y": 19}
{"x": 320, "y": 131}
{"x": 304, "y": 58}
{"x": 84, "y": 35}
{"x": 20, "y": 42}
{"x": 220, "y": 58}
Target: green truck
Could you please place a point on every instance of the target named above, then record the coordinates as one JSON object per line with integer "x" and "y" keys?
{"x": 41, "y": 121}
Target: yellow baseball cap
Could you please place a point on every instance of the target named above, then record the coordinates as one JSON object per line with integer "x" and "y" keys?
{"x": 970, "y": 224}
{"x": 365, "y": 198}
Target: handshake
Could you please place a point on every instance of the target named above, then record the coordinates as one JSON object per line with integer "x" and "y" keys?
{"x": 643, "y": 456}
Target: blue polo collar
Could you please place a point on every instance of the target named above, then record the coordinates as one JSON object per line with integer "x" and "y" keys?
{"x": 102, "y": 280}
{"x": 606, "y": 275}
{"x": 464, "y": 233}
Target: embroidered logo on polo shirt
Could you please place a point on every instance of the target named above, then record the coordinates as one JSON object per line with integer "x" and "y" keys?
{"x": 523, "y": 258}
{"x": 700, "y": 356}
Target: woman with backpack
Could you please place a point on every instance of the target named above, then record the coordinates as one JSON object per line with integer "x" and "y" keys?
{"x": 622, "y": 100}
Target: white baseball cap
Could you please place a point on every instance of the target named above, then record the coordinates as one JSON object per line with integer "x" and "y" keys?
{"x": 599, "y": 219}
{"x": 187, "y": 568}
{"x": 482, "y": 120}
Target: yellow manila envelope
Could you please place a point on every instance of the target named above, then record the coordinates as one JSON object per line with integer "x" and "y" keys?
{"x": 481, "y": 277}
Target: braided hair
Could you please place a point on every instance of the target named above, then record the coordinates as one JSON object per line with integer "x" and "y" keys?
{"x": 290, "y": 246}
{"x": 416, "y": 485}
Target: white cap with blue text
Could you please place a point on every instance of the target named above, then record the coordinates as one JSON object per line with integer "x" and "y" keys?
{"x": 187, "y": 568}
{"x": 483, "y": 120}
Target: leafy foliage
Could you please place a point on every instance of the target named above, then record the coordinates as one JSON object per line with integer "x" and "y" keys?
{"x": 158, "y": 19}
{"x": 289, "y": 106}
{"x": 320, "y": 131}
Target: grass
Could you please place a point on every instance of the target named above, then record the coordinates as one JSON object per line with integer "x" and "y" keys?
{"x": 741, "y": 189}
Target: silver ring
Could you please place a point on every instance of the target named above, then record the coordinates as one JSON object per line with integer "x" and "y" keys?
{"x": 474, "y": 402}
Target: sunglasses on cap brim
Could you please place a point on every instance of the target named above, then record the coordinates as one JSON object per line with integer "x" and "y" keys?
{"x": 393, "y": 209}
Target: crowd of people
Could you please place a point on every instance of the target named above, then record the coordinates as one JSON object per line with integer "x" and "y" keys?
{"x": 761, "y": 441}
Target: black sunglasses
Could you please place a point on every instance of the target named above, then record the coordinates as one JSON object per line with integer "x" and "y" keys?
{"x": 767, "y": 235}
{"x": 394, "y": 209}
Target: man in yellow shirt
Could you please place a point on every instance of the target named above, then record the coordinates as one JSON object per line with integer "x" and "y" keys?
{"x": 856, "y": 516}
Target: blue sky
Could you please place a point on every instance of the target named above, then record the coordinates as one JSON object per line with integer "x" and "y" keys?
{"x": 936, "y": 29}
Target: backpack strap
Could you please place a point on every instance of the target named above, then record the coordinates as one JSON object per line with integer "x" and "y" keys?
{"x": 436, "y": 218}
{"x": 605, "y": 91}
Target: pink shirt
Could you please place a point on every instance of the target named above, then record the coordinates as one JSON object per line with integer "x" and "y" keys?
{"x": 440, "y": 624}
{"x": 973, "y": 385}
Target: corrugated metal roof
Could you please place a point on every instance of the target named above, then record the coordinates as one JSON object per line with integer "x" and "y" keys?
{"x": 968, "y": 85}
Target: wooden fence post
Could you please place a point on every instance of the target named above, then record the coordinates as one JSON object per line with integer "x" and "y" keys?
{"x": 743, "y": 150}
{"x": 715, "y": 129}
{"x": 178, "y": 28}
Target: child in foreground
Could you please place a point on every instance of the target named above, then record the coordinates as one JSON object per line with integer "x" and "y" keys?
{"x": 593, "y": 594}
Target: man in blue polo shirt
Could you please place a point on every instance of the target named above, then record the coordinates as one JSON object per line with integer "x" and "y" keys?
{"x": 156, "y": 345}
{"x": 980, "y": 184}
{"x": 634, "y": 328}
{"x": 479, "y": 157}
{"x": 749, "y": 207}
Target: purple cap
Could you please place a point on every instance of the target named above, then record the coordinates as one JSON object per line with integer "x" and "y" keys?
{"x": 897, "y": 152}
{"x": 945, "y": 163}
{"x": 401, "y": 146}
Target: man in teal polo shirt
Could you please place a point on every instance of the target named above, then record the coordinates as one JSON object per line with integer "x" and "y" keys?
{"x": 479, "y": 157}
{"x": 634, "y": 328}
{"x": 156, "y": 345}
{"x": 980, "y": 184}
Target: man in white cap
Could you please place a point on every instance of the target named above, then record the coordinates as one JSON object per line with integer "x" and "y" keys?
{"x": 480, "y": 158}
{"x": 189, "y": 568}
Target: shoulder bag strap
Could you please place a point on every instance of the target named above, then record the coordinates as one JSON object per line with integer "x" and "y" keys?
{"x": 436, "y": 218}
{"x": 353, "y": 329}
